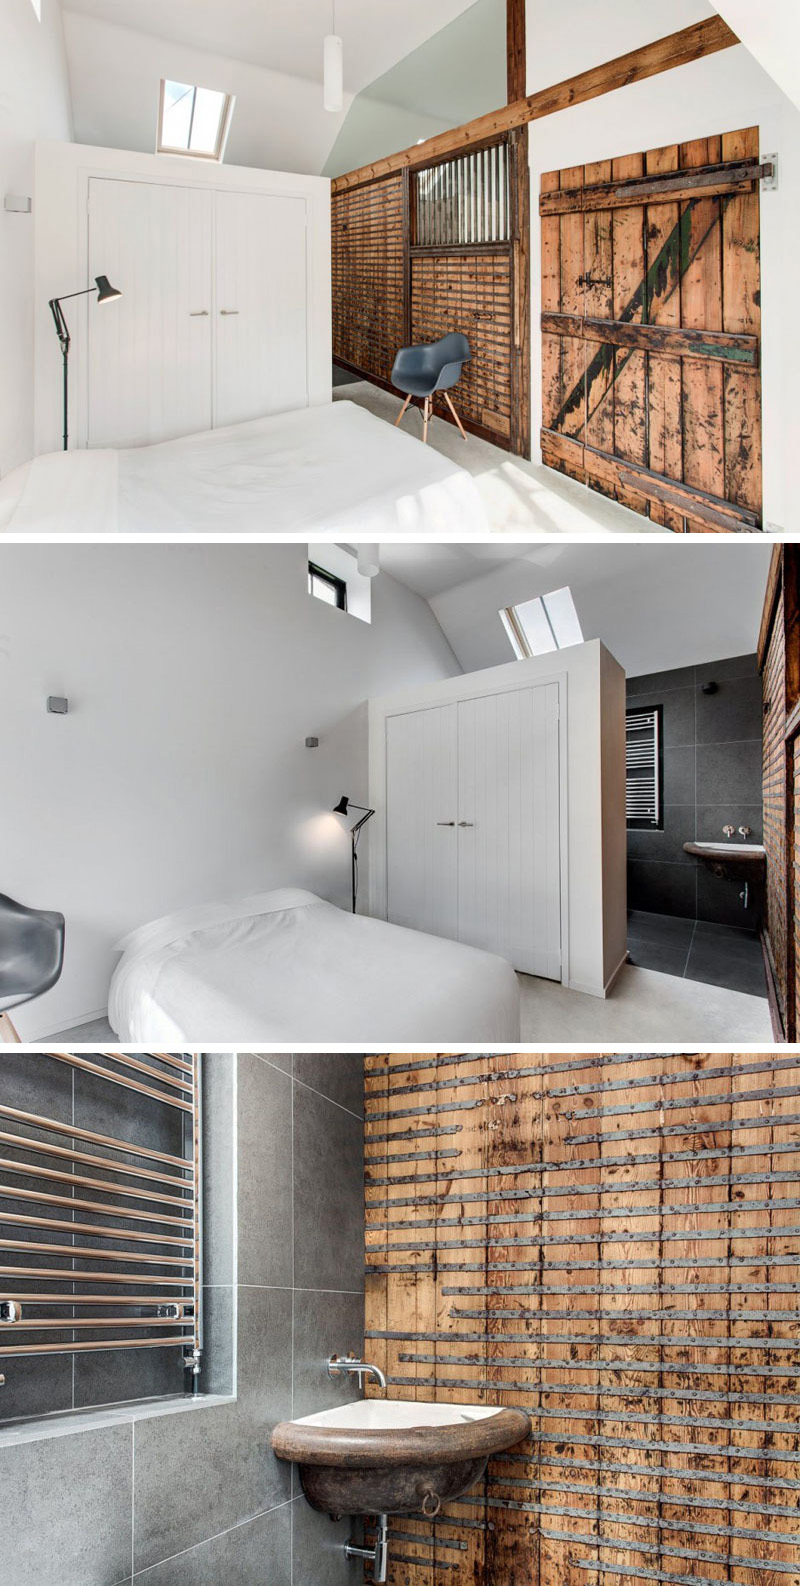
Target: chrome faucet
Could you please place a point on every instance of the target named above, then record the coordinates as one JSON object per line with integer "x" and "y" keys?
{"x": 744, "y": 831}
{"x": 348, "y": 1365}
{"x": 728, "y": 830}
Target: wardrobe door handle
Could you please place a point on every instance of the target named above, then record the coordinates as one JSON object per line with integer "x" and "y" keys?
{"x": 445, "y": 823}
{"x": 229, "y": 311}
{"x": 466, "y": 823}
{"x": 198, "y": 313}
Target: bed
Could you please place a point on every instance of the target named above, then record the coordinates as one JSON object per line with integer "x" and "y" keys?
{"x": 333, "y": 469}
{"x": 286, "y": 966}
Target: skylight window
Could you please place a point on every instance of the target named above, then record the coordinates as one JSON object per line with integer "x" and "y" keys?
{"x": 193, "y": 121}
{"x": 550, "y": 622}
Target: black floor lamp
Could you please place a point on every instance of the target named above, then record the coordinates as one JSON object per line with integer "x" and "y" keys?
{"x": 344, "y": 807}
{"x": 106, "y": 293}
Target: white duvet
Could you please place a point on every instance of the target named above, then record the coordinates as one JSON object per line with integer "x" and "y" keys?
{"x": 321, "y": 470}
{"x": 287, "y": 966}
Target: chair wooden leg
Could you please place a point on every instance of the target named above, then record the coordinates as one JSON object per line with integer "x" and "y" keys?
{"x": 401, "y": 415}
{"x": 454, "y": 413}
{"x": 426, "y": 420}
{"x": 8, "y": 1035}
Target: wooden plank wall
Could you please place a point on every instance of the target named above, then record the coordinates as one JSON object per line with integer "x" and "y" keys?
{"x": 779, "y": 659}
{"x": 369, "y": 313}
{"x": 612, "y": 1242}
{"x": 651, "y": 387}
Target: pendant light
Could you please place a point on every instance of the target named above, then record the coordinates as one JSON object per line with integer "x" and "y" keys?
{"x": 333, "y": 68}
{"x": 368, "y": 560}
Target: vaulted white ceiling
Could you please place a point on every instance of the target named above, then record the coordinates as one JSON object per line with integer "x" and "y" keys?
{"x": 286, "y": 35}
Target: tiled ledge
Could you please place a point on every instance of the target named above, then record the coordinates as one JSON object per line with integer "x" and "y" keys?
{"x": 68, "y": 1422}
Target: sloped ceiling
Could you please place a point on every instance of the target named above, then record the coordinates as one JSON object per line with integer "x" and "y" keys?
{"x": 286, "y": 35}
{"x": 654, "y": 606}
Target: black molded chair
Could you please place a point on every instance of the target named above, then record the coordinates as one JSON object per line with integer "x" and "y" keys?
{"x": 432, "y": 366}
{"x": 31, "y": 956}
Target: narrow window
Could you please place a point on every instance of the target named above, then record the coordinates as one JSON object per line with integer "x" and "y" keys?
{"x": 193, "y": 120}
{"x": 463, "y": 202}
{"x": 326, "y": 586}
{"x": 644, "y": 769}
{"x": 549, "y": 622}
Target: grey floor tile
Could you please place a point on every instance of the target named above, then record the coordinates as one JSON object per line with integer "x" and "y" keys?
{"x": 325, "y": 1325}
{"x": 257, "y": 1553}
{"x": 98, "y": 1030}
{"x": 339, "y": 1075}
{"x": 667, "y": 960}
{"x": 328, "y": 1194}
{"x": 736, "y": 965}
{"x": 318, "y": 1549}
{"x": 264, "y": 1098}
{"x": 674, "y": 928}
{"x": 65, "y": 1515}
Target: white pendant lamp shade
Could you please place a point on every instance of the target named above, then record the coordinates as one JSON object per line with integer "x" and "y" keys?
{"x": 369, "y": 560}
{"x": 333, "y": 73}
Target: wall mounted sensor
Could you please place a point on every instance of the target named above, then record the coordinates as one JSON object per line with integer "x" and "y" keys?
{"x": 312, "y": 743}
{"x": 57, "y": 705}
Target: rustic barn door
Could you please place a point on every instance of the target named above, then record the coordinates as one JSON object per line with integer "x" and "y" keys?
{"x": 434, "y": 249}
{"x": 651, "y": 380}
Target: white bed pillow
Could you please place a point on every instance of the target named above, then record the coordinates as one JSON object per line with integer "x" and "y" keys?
{"x": 171, "y": 927}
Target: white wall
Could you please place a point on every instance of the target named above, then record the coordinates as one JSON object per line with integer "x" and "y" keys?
{"x": 593, "y": 700}
{"x": 654, "y": 605}
{"x": 771, "y": 32}
{"x": 721, "y": 93}
{"x": 63, "y": 172}
{"x": 34, "y": 103}
{"x": 194, "y": 674}
{"x": 279, "y": 122}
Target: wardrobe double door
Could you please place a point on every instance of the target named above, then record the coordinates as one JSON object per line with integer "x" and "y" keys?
{"x": 473, "y": 824}
{"x": 211, "y": 328}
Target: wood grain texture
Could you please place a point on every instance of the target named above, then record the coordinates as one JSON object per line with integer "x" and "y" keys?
{"x": 678, "y": 49}
{"x": 614, "y": 1243}
{"x": 779, "y": 660}
{"x": 667, "y": 305}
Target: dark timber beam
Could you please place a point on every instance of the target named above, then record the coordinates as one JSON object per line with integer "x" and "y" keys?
{"x": 678, "y": 49}
{"x": 516, "y": 50}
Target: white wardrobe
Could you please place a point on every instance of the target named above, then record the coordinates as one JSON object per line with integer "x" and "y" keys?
{"x": 225, "y": 281}
{"x": 500, "y": 813}
{"x": 473, "y": 824}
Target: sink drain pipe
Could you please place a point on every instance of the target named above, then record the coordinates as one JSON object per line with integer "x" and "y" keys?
{"x": 377, "y": 1556}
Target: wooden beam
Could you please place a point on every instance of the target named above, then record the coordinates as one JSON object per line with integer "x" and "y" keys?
{"x": 672, "y": 341}
{"x": 729, "y": 176}
{"x": 516, "y": 50}
{"x": 678, "y": 49}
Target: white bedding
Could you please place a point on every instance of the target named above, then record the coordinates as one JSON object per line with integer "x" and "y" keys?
{"x": 287, "y": 966}
{"x": 321, "y": 470}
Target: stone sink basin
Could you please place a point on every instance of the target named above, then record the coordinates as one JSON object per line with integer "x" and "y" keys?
{"x": 730, "y": 859}
{"x": 395, "y": 1456}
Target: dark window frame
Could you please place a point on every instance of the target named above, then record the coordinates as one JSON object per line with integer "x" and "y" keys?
{"x": 334, "y": 582}
{"x": 643, "y": 823}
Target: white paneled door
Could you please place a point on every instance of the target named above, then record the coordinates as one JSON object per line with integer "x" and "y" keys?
{"x": 262, "y": 305}
{"x": 474, "y": 827}
{"x": 150, "y": 358}
{"x": 509, "y": 842}
{"x": 211, "y": 328}
{"x": 422, "y": 799}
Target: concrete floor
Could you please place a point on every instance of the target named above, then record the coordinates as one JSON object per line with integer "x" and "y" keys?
{"x": 644, "y": 1006}
{"x": 519, "y": 497}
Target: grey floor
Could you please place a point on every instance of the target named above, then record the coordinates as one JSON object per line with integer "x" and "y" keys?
{"x": 519, "y": 497}
{"x": 717, "y": 955}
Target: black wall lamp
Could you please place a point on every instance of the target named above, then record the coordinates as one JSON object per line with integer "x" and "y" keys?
{"x": 106, "y": 293}
{"x": 344, "y": 807}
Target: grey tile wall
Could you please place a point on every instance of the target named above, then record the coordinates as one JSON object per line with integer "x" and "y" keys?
{"x": 712, "y": 778}
{"x": 196, "y": 1497}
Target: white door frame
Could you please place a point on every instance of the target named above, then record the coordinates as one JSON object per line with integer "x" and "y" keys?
{"x": 462, "y": 688}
